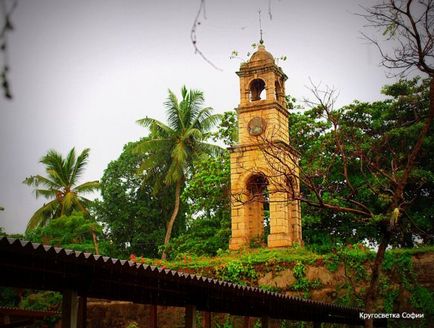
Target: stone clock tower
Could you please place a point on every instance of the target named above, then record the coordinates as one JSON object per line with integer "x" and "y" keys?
{"x": 261, "y": 186}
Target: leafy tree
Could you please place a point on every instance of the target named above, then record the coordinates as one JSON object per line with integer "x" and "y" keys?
{"x": 69, "y": 231}
{"x": 207, "y": 195}
{"x": 371, "y": 164}
{"x": 172, "y": 148}
{"x": 207, "y": 198}
{"x": 377, "y": 138}
{"x": 131, "y": 210}
{"x": 408, "y": 26}
{"x": 60, "y": 185}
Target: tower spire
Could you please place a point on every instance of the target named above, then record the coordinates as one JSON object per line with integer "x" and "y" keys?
{"x": 260, "y": 27}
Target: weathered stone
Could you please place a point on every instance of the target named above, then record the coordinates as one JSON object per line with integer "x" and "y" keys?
{"x": 263, "y": 122}
{"x": 282, "y": 279}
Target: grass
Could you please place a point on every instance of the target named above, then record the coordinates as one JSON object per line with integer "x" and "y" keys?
{"x": 246, "y": 256}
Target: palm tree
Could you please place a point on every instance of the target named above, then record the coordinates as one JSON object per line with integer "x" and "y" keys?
{"x": 171, "y": 149}
{"x": 60, "y": 185}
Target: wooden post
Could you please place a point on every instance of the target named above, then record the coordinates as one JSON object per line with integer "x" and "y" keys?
{"x": 206, "y": 320}
{"x": 246, "y": 322}
{"x": 153, "y": 317}
{"x": 265, "y": 322}
{"x": 82, "y": 312}
{"x": 316, "y": 324}
{"x": 190, "y": 316}
{"x": 69, "y": 309}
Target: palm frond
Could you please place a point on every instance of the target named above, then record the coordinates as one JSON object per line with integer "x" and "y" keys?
{"x": 69, "y": 164}
{"x": 207, "y": 148}
{"x": 47, "y": 193}
{"x": 79, "y": 166}
{"x": 39, "y": 180}
{"x": 174, "y": 112}
{"x": 67, "y": 202}
{"x": 151, "y": 146}
{"x": 54, "y": 164}
{"x": 156, "y": 127}
{"x": 206, "y": 121}
{"x": 193, "y": 133}
{"x": 42, "y": 215}
{"x": 78, "y": 204}
{"x": 87, "y": 187}
{"x": 195, "y": 103}
{"x": 174, "y": 173}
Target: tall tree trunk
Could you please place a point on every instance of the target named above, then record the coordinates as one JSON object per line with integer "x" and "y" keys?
{"x": 95, "y": 243}
{"x": 371, "y": 294}
{"x": 172, "y": 218}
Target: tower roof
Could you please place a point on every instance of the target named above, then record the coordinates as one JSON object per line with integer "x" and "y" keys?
{"x": 262, "y": 56}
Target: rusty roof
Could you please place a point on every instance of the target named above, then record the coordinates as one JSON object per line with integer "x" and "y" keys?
{"x": 31, "y": 265}
{"x": 28, "y": 313}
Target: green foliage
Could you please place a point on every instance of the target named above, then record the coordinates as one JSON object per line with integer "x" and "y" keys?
{"x": 423, "y": 299}
{"x": 228, "y": 129}
{"x": 9, "y": 297}
{"x": 350, "y": 297}
{"x": 204, "y": 237}
{"x": 42, "y": 301}
{"x": 207, "y": 195}
{"x": 133, "y": 213}
{"x": 60, "y": 186}
{"x": 353, "y": 257}
{"x": 389, "y": 300}
{"x": 301, "y": 282}
{"x": 269, "y": 288}
{"x": 372, "y": 141}
{"x": 207, "y": 192}
{"x": 72, "y": 231}
{"x": 399, "y": 263}
{"x": 237, "y": 272}
{"x": 172, "y": 148}
{"x": 227, "y": 324}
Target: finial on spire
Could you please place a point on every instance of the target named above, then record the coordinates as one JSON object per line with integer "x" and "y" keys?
{"x": 260, "y": 27}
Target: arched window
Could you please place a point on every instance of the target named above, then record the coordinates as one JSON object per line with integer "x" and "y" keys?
{"x": 259, "y": 206}
{"x": 257, "y": 86}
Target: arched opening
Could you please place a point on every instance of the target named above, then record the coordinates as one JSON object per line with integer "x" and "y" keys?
{"x": 257, "y": 87}
{"x": 291, "y": 186}
{"x": 258, "y": 209}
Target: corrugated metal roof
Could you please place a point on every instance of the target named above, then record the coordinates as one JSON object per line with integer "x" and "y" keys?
{"x": 32, "y": 265}
{"x": 27, "y": 313}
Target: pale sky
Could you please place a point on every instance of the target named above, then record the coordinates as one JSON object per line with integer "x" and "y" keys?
{"x": 82, "y": 72}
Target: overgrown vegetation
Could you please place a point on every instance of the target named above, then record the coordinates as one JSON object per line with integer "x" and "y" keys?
{"x": 132, "y": 215}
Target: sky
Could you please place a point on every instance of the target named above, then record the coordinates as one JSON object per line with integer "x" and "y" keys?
{"x": 83, "y": 72}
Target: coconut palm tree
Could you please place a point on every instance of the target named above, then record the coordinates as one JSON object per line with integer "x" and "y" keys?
{"x": 60, "y": 186}
{"x": 171, "y": 148}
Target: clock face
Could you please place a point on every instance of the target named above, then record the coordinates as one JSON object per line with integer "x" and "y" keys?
{"x": 256, "y": 126}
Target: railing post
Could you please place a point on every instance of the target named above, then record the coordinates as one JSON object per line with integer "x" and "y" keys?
{"x": 82, "y": 312}
{"x": 265, "y": 322}
{"x": 206, "y": 320}
{"x": 153, "y": 316}
{"x": 190, "y": 316}
{"x": 69, "y": 309}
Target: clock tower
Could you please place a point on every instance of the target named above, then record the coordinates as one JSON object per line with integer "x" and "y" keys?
{"x": 263, "y": 185}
